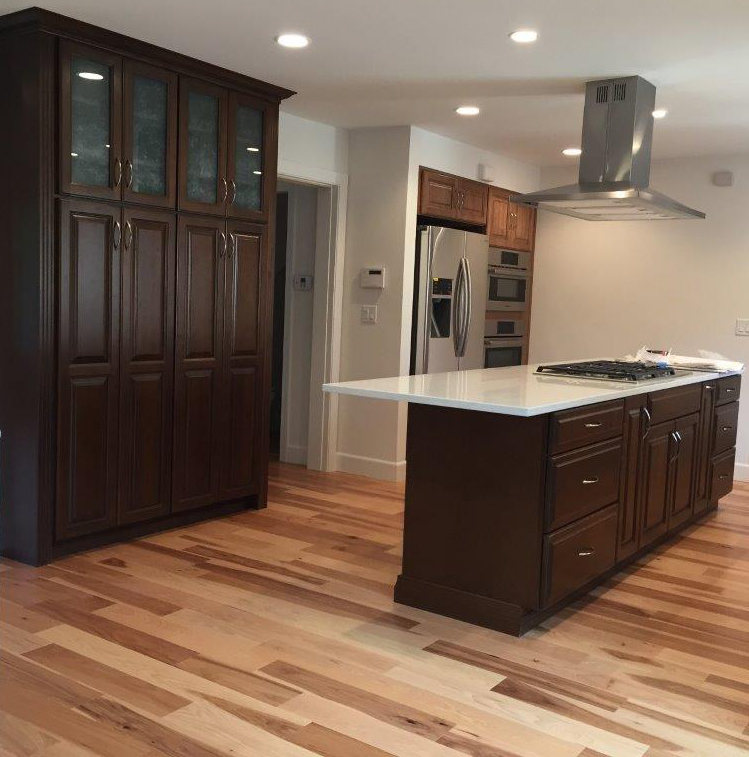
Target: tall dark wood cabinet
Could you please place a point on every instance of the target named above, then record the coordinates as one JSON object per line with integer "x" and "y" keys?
{"x": 134, "y": 286}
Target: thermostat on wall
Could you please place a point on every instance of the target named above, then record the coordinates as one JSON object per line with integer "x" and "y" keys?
{"x": 372, "y": 278}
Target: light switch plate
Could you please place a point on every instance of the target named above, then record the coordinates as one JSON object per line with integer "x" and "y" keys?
{"x": 742, "y": 327}
{"x": 369, "y": 313}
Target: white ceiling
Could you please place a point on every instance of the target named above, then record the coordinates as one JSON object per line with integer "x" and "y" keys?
{"x": 388, "y": 62}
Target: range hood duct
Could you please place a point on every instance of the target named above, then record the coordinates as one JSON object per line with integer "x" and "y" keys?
{"x": 615, "y": 161}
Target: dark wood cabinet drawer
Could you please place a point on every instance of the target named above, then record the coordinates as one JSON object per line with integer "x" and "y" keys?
{"x": 581, "y": 482}
{"x": 577, "y": 554}
{"x": 721, "y": 475}
{"x": 674, "y": 403}
{"x": 728, "y": 389}
{"x": 582, "y": 426}
{"x": 724, "y": 427}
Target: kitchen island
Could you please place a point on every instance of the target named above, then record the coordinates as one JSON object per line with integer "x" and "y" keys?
{"x": 524, "y": 491}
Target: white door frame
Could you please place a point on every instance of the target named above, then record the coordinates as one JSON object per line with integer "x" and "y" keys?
{"x": 328, "y": 306}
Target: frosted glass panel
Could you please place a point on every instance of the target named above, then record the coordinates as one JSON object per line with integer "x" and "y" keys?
{"x": 90, "y": 84}
{"x": 150, "y": 114}
{"x": 248, "y": 158}
{"x": 202, "y": 147}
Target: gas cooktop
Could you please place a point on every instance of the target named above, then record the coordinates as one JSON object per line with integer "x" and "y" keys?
{"x": 609, "y": 370}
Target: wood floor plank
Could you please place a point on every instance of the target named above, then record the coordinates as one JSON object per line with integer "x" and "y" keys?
{"x": 274, "y": 634}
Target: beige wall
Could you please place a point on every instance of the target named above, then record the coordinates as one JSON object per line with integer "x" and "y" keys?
{"x": 606, "y": 288}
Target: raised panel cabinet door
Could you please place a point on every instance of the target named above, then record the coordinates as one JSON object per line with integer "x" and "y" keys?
{"x": 251, "y": 157}
{"x": 438, "y": 195}
{"x": 655, "y": 482}
{"x": 149, "y": 135}
{"x": 472, "y": 202}
{"x": 201, "y": 252}
{"x": 203, "y": 185}
{"x": 682, "y": 500}
{"x": 523, "y": 227}
{"x": 146, "y": 364}
{"x": 704, "y": 448}
{"x": 244, "y": 331}
{"x": 90, "y": 121}
{"x": 498, "y": 218}
{"x": 88, "y": 357}
{"x": 635, "y": 426}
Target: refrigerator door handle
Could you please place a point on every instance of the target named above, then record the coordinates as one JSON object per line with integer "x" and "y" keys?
{"x": 462, "y": 308}
{"x": 466, "y": 305}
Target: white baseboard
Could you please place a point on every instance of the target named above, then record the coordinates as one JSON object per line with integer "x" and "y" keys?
{"x": 384, "y": 470}
{"x": 741, "y": 472}
{"x": 297, "y": 455}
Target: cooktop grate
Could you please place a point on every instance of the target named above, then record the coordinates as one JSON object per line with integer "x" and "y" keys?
{"x": 609, "y": 370}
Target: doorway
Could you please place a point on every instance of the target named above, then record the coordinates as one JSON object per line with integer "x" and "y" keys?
{"x": 293, "y": 316}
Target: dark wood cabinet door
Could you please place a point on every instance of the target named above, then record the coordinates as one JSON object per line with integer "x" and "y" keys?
{"x": 88, "y": 355}
{"x": 201, "y": 250}
{"x": 655, "y": 481}
{"x": 498, "y": 218}
{"x": 248, "y": 160}
{"x": 635, "y": 424}
{"x": 243, "y": 349}
{"x": 90, "y": 121}
{"x": 438, "y": 194}
{"x": 146, "y": 364}
{"x": 203, "y": 186}
{"x": 682, "y": 498}
{"x": 704, "y": 448}
{"x": 473, "y": 197}
{"x": 149, "y": 135}
{"x": 523, "y": 233}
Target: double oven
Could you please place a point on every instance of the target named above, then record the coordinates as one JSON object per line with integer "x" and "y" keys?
{"x": 508, "y": 295}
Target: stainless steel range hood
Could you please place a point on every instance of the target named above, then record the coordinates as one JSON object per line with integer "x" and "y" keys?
{"x": 615, "y": 162}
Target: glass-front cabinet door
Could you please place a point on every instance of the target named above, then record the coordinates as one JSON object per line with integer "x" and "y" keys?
{"x": 149, "y": 138}
{"x": 90, "y": 121}
{"x": 203, "y": 185}
{"x": 247, "y": 161}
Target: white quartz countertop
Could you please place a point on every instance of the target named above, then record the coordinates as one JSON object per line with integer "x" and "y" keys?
{"x": 517, "y": 390}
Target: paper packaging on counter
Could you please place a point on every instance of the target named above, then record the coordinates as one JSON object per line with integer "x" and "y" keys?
{"x": 708, "y": 361}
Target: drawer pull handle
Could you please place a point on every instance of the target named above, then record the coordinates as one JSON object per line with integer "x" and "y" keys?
{"x": 723, "y": 476}
{"x": 586, "y": 552}
{"x": 593, "y": 425}
{"x": 730, "y": 390}
{"x": 726, "y": 428}
{"x": 593, "y": 480}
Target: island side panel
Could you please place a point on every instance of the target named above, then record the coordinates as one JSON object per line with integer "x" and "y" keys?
{"x": 474, "y": 514}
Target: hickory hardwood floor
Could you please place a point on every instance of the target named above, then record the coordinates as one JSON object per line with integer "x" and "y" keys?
{"x": 274, "y": 633}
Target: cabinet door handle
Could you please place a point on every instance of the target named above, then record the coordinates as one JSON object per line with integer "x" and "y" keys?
{"x": 709, "y": 387}
{"x": 117, "y": 234}
{"x": 128, "y": 234}
{"x": 593, "y": 480}
{"x": 675, "y": 436}
{"x": 128, "y": 174}
{"x": 225, "y": 189}
{"x": 117, "y": 172}
{"x": 586, "y": 552}
{"x": 233, "y": 191}
{"x": 723, "y": 476}
{"x": 726, "y": 428}
{"x": 222, "y": 248}
{"x": 647, "y": 417}
{"x": 593, "y": 425}
{"x": 229, "y": 245}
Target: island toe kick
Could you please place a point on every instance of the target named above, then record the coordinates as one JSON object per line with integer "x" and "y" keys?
{"x": 508, "y": 519}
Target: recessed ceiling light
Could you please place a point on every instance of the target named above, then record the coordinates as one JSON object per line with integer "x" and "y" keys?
{"x": 90, "y": 75}
{"x": 292, "y": 40}
{"x": 524, "y": 36}
{"x": 253, "y": 149}
{"x": 572, "y": 151}
{"x": 468, "y": 110}
{"x": 660, "y": 113}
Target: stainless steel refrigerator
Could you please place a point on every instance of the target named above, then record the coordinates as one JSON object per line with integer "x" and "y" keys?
{"x": 450, "y": 291}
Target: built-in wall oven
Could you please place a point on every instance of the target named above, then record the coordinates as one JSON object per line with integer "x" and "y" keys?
{"x": 509, "y": 280}
{"x": 503, "y": 342}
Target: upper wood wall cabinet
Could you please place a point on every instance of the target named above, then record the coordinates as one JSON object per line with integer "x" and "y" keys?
{"x": 118, "y": 127}
{"x": 138, "y": 395}
{"x": 223, "y": 160}
{"x": 444, "y": 196}
{"x": 509, "y": 224}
